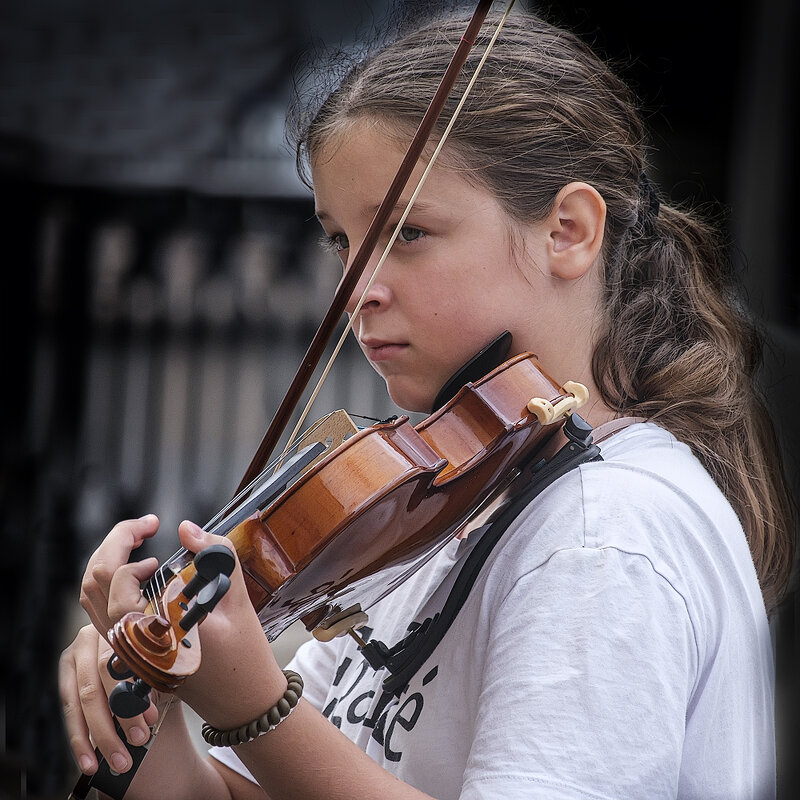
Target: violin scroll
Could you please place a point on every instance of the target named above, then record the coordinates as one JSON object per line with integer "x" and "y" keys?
{"x": 146, "y": 645}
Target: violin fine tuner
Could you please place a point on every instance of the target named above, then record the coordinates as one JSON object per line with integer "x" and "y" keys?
{"x": 547, "y": 413}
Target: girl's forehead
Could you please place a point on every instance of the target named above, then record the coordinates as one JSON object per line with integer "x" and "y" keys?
{"x": 359, "y": 171}
{"x": 352, "y": 179}
{"x": 386, "y": 136}
{"x": 366, "y": 135}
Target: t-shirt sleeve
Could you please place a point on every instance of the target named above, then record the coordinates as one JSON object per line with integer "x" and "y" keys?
{"x": 590, "y": 665}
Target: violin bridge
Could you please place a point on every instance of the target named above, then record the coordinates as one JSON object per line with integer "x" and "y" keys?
{"x": 331, "y": 431}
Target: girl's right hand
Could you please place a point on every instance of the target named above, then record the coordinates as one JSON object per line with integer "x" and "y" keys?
{"x": 84, "y": 681}
{"x": 84, "y": 684}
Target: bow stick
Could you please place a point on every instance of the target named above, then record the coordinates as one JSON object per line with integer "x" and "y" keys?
{"x": 353, "y": 274}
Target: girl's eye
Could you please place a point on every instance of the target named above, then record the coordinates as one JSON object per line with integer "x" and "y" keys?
{"x": 336, "y": 242}
{"x": 409, "y": 234}
{"x": 340, "y": 242}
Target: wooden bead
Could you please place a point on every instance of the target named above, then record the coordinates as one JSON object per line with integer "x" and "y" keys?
{"x": 263, "y": 724}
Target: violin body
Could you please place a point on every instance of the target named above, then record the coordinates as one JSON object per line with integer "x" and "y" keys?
{"x": 367, "y": 516}
{"x": 362, "y": 519}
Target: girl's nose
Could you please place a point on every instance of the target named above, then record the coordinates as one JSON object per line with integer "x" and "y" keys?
{"x": 377, "y": 292}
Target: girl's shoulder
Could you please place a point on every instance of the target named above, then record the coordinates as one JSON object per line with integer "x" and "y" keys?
{"x": 648, "y": 474}
{"x": 647, "y": 481}
{"x": 648, "y": 500}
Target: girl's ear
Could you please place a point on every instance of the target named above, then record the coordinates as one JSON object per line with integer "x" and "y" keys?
{"x": 576, "y": 227}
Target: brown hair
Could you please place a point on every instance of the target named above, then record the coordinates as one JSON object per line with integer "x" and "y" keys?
{"x": 677, "y": 347}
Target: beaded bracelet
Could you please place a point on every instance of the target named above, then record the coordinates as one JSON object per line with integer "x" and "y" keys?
{"x": 263, "y": 724}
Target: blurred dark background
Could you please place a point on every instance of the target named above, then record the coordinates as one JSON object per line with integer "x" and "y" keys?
{"x": 161, "y": 275}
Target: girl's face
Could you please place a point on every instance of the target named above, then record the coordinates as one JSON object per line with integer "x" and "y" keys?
{"x": 452, "y": 281}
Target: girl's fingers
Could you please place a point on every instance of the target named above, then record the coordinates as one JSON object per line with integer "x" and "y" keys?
{"x": 124, "y": 591}
{"x": 74, "y": 721}
{"x": 194, "y": 538}
{"x": 85, "y": 706}
{"x": 106, "y": 560}
{"x": 110, "y": 589}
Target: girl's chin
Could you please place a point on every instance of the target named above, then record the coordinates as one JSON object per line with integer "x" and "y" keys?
{"x": 408, "y": 397}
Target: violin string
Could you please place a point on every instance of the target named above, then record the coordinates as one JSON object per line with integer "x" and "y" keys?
{"x": 155, "y": 587}
{"x": 271, "y": 467}
{"x": 160, "y": 591}
{"x": 149, "y": 592}
{"x": 162, "y": 713}
{"x": 153, "y": 591}
{"x": 384, "y": 255}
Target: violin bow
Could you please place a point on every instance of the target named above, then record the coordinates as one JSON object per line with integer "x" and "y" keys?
{"x": 355, "y": 270}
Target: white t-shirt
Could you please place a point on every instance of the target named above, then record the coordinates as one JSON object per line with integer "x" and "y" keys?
{"x": 615, "y": 645}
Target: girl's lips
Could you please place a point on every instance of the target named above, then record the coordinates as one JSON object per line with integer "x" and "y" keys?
{"x": 382, "y": 351}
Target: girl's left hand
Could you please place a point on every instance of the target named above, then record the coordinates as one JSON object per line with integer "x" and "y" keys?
{"x": 238, "y": 677}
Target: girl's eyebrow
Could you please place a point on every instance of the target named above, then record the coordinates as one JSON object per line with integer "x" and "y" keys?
{"x": 400, "y": 205}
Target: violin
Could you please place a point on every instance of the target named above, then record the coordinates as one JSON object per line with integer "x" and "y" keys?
{"x": 353, "y": 526}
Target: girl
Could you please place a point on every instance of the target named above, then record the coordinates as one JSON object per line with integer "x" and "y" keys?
{"x": 616, "y": 643}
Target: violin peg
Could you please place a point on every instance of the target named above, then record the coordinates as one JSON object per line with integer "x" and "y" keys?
{"x": 548, "y": 413}
{"x": 578, "y": 391}
{"x": 214, "y": 560}
{"x": 118, "y": 669}
{"x": 129, "y": 699}
{"x": 542, "y": 409}
{"x": 207, "y": 599}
